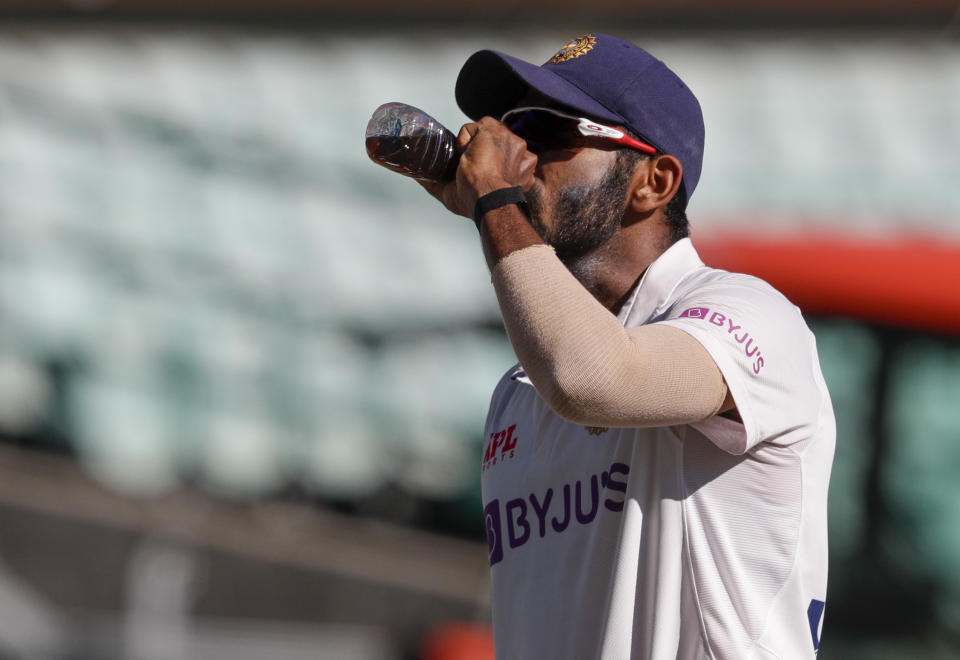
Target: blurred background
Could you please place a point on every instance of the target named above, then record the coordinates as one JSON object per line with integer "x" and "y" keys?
{"x": 244, "y": 371}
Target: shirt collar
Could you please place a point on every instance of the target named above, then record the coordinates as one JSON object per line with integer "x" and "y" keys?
{"x": 651, "y": 296}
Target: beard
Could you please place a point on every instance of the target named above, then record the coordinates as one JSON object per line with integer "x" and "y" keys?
{"x": 584, "y": 218}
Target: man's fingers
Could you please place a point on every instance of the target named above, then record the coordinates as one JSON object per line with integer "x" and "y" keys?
{"x": 528, "y": 167}
{"x": 467, "y": 131}
{"x": 493, "y": 158}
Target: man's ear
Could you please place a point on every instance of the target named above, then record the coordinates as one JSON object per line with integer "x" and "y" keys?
{"x": 655, "y": 182}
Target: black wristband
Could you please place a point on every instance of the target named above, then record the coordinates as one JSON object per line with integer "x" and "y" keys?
{"x": 498, "y": 198}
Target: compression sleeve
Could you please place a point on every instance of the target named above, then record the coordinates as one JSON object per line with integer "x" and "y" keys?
{"x": 586, "y": 365}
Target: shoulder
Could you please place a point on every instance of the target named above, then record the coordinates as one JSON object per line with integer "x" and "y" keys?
{"x": 734, "y": 285}
{"x": 764, "y": 349}
{"x": 743, "y": 316}
{"x": 723, "y": 298}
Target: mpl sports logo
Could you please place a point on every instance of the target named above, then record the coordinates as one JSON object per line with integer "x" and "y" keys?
{"x": 501, "y": 446}
{"x": 750, "y": 346}
{"x": 581, "y": 502}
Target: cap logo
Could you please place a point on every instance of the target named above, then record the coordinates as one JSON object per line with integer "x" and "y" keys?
{"x": 574, "y": 49}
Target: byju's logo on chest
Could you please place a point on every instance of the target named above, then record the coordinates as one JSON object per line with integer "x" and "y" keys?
{"x": 553, "y": 511}
{"x": 501, "y": 446}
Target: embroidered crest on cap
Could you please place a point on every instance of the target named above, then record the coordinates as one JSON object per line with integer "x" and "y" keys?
{"x": 574, "y": 49}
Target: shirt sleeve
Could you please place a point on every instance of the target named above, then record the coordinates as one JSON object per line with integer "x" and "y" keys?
{"x": 767, "y": 356}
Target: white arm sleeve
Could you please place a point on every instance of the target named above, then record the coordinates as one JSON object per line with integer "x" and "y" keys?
{"x": 586, "y": 365}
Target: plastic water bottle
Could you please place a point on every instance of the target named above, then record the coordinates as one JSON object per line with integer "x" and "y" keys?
{"x": 409, "y": 141}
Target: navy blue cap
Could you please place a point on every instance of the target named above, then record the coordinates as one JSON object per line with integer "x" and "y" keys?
{"x": 602, "y": 77}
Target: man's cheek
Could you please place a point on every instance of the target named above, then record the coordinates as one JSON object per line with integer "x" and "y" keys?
{"x": 535, "y": 202}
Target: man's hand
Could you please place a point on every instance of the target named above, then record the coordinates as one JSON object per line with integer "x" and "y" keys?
{"x": 493, "y": 158}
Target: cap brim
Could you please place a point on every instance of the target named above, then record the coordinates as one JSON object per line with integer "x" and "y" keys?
{"x": 490, "y": 83}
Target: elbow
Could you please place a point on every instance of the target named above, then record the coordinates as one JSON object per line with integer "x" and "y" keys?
{"x": 579, "y": 402}
{"x": 608, "y": 401}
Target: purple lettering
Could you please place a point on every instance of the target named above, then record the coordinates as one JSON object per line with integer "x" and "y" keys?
{"x": 521, "y": 521}
{"x": 491, "y": 517}
{"x": 558, "y": 526}
{"x": 721, "y": 320}
{"x": 619, "y": 486}
{"x": 695, "y": 313}
{"x": 541, "y": 511}
{"x": 518, "y": 528}
{"x": 584, "y": 518}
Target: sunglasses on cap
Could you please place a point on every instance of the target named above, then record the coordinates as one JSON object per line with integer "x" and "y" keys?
{"x": 544, "y": 129}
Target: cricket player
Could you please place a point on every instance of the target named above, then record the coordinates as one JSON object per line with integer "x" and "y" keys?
{"x": 656, "y": 468}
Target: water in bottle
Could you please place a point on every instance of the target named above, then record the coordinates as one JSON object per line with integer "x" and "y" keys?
{"x": 409, "y": 141}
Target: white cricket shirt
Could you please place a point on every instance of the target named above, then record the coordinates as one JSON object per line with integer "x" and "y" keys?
{"x": 686, "y": 542}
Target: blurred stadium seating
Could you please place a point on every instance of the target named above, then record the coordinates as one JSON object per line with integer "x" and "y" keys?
{"x": 203, "y": 280}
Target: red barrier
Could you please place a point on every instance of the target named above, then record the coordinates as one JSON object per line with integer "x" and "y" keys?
{"x": 911, "y": 283}
{"x": 458, "y": 641}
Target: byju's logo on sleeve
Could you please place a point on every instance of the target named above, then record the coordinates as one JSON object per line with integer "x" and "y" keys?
{"x": 750, "y": 346}
{"x": 695, "y": 313}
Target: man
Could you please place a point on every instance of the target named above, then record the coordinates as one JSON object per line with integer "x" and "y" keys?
{"x": 656, "y": 469}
